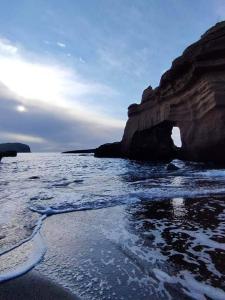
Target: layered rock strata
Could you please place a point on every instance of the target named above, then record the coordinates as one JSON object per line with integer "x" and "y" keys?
{"x": 191, "y": 96}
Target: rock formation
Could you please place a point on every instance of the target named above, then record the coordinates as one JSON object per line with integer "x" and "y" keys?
{"x": 7, "y": 154}
{"x": 79, "y": 151}
{"x": 16, "y": 147}
{"x": 191, "y": 96}
{"x": 109, "y": 150}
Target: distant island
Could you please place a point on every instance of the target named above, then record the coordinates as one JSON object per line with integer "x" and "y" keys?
{"x": 11, "y": 149}
{"x": 16, "y": 147}
{"x": 81, "y": 151}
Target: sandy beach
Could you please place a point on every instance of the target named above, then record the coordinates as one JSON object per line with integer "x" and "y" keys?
{"x": 96, "y": 256}
{"x": 91, "y": 254}
{"x": 36, "y": 286}
{"x": 139, "y": 251}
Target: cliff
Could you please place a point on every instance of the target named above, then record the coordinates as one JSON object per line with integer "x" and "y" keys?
{"x": 191, "y": 96}
{"x": 16, "y": 147}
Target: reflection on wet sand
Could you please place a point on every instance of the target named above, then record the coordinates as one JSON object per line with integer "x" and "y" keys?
{"x": 179, "y": 209}
{"x": 190, "y": 235}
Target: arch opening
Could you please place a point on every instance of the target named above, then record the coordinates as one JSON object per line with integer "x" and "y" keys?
{"x": 176, "y": 137}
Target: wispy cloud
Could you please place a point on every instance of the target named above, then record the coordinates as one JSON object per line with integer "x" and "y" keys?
{"x": 7, "y": 48}
{"x": 62, "y": 45}
{"x": 48, "y": 105}
{"x": 23, "y": 138}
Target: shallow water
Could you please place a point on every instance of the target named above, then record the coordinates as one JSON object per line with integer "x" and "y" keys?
{"x": 175, "y": 217}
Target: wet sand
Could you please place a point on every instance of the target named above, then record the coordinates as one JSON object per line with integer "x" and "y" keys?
{"x": 95, "y": 255}
{"x": 33, "y": 286}
{"x": 171, "y": 249}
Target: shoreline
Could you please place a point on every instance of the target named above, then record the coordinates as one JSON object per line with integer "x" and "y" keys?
{"x": 34, "y": 285}
{"x": 128, "y": 252}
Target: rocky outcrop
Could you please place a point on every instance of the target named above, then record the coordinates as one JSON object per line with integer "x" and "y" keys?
{"x": 79, "y": 151}
{"x": 109, "y": 150}
{"x": 191, "y": 96}
{"x": 7, "y": 154}
{"x": 16, "y": 147}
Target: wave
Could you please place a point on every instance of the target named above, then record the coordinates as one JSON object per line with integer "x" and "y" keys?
{"x": 35, "y": 257}
{"x": 153, "y": 194}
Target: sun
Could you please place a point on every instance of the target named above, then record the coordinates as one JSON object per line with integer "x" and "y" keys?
{"x": 21, "y": 108}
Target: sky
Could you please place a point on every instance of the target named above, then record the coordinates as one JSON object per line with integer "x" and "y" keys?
{"x": 69, "y": 69}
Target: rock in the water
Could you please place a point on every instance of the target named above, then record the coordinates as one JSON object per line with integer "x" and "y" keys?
{"x": 79, "y": 151}
{"x": 7, "y": 154}
{"x": 153, "y": 144}
{"x": 109, "y": 150}
{"x": 34, "y": 177}
{"x": 16, "y": 147}
{"x": 172, "y": 167}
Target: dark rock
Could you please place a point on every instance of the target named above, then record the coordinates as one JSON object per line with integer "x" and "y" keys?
{"x": 191, "y": 96}
{"x": 34, "y": 177}
{"x": 172, "y": 167}
{"x": 147, "y": 95}
{"x": 109, "y": 150}
{"x": 153, "y": 144}
{"x": 16, "y": 147}
{"x": 80, "y": 151}
{"x": 7, "y": 154}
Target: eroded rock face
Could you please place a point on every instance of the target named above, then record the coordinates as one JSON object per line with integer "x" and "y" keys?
{"x": 156, "y": 140}
{"x": 191, "y": 96}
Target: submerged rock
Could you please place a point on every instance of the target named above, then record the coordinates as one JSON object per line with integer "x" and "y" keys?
{"x": 191, "y": 96}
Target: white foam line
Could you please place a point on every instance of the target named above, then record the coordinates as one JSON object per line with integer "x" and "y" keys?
{"x": 196, "y": 289}
{"x": 28, "y": 264}
{"x": 131, "y": 198}
{"x": 35, "y": 231}
{"x": 52, "y": 211}
{"x": 33, "y": 260}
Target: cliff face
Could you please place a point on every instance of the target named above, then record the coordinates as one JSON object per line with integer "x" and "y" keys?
{"x": 191, "y": 96}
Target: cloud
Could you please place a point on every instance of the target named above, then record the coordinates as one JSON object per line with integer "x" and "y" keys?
{"x": 53, "y": 86}
{"x": 62, "y": 45}
{"x": 46, "y": 129}
{"x": 7, "y": 48}
{"x": 17, "y": 137}
{"x": 49, "y": 107}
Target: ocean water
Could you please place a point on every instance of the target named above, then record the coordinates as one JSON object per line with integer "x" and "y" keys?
{"x": 175, "y": 220}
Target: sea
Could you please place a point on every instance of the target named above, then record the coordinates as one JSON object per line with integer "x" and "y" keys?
{"x": 174, "y": 221}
